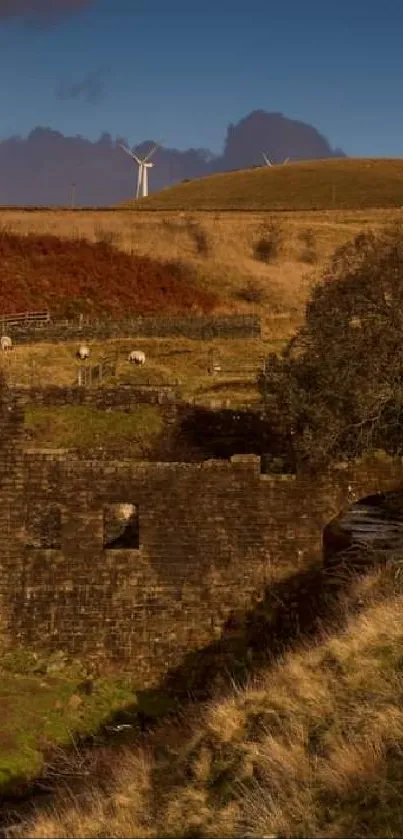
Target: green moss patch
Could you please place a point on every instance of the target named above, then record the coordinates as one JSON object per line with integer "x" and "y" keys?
{"x": 83, "y": 427}
{"x": 46, "y": 703}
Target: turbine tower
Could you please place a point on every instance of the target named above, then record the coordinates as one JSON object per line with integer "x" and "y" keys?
{"x": 144, "y": 165}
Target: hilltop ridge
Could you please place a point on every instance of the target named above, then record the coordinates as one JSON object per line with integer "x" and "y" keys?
{"x": 338, "y": 183}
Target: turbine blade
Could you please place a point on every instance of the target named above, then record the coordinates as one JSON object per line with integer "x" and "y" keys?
{"x": 151, "y": 152}
{"x": 131, "y": 154}
{"x": 126, "y": 150}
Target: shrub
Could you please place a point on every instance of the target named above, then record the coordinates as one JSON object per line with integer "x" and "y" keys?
{"x": 199, "y": 237}
{"x": 308, "y": 239}
{"x": 251, "y": 293}
{"x": 267, "y": 248}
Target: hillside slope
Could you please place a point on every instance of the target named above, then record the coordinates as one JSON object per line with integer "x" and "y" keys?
{"x": 218, "y": 251}
{"x": 70, "y": 276}
{"x": 313, "y": 747}
{"x": 341, "y": 183}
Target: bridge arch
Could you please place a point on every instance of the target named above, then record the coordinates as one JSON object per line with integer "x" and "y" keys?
{"x": 372, "y": 512}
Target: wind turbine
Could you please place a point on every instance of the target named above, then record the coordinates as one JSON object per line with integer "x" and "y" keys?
{"x": 144, "y": 164}
{"x": 268, "y": 161}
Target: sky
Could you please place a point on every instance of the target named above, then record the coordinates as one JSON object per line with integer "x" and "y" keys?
{"x": 179, "y": 72}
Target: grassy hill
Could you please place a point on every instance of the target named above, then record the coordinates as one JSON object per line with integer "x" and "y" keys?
{"x": 345, "y": 183}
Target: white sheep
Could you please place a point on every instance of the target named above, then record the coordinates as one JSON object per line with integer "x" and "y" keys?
{"x": 6, "y": 343}
{"x": 83, "y": 352}
{"x": 137, "y": 357}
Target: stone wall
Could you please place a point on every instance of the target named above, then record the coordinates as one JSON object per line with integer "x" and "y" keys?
{"x": 196, "y": 328}
{"x": 121, "y": 396}
{"x": 125, "y": 397}
{"x": 212, "y": 536}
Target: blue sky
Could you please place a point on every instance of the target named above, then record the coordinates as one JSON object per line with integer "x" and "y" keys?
{"x": 179, "y": 72}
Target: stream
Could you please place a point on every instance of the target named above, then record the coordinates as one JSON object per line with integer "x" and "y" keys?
{"x": 375, "y": 522}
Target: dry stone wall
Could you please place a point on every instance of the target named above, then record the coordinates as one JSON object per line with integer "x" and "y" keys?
{"x": 120, "y": 397}
{"x": 196, "y": 328}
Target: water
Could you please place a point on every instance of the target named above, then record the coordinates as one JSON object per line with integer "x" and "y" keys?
{"x": 378, "y": 522}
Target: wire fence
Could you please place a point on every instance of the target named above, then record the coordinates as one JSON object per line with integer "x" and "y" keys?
{"x": 90, "y": 375}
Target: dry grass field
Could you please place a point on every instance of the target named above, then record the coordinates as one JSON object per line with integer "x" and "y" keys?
{"x": 312, "y": 747}
{"x": 255, "y": 262}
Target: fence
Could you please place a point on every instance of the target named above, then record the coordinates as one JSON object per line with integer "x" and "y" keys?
{"x": 88, "y": 375}
{"x": 25, "y": 319}
{"x": 200, "y": 327}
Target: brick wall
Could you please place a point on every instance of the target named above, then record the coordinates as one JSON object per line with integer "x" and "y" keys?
{"x": 212, "y": 536}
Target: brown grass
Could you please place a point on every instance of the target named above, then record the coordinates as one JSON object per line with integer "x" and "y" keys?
{"x": 74, "y": 275}
{"x": 314, "y": 747}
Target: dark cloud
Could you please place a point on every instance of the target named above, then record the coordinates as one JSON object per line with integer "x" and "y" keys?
{"x": 41, "y": 11}
{"x": 91, "y": 88}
